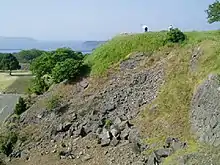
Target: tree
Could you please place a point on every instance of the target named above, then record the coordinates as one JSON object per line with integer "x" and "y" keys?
{"x": 27, "y": 56}
{"x": 46, "y": 62}
{"x": 69, "y": 69}
{"x": 9, "y": 62}
{"x": 61, "y": 64}
{"x": 213, "y": 12}
{"x": 20, "y": 106}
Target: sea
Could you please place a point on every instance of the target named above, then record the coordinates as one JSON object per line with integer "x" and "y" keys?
{"x": 18, "y": 50}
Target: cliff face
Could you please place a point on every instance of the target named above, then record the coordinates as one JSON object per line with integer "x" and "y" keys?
{"x": 151, "y": 107}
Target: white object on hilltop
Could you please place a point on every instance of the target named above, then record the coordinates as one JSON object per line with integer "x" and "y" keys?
{"x": 145, "y": 28}
{"x": 170, "y": 27}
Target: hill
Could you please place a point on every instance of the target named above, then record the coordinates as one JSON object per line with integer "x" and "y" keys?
{"x": 146, "y": 102}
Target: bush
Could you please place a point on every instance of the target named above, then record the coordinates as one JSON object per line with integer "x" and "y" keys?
{"x": 7, "y": 143}
{"x": 56, "y": 66}
{"x": 68, "y": 69}
{"x": 20, "y": 106}
{"x": 175, "y": 36}
{"x": 53, "y": 102}
{"x": 38, "y": 86}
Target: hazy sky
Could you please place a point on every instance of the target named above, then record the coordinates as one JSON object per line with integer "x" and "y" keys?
{"x": 98, "y": 19}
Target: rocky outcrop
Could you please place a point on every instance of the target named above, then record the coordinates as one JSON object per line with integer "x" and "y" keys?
{"x": 205, "y": 114}
{"x": 171, "y": 146}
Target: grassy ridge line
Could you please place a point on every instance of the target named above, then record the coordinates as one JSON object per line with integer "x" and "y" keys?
{"x": 119, "y": 47}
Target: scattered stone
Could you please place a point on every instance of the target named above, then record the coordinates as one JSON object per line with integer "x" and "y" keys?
{"x": 114, "y": 131}
{"x": 24, "y": 155}
{"x": 105, "y": 137}
{"x": 86, "y": 158}
{"x": 84, "y": 83}
{"x": 124, "y": 134}
{"x": 171, "y": 145}
{"x": 114, "y": 142}
{"x": 66, "y": 154}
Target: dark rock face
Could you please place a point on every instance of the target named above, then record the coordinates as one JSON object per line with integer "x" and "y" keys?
{"x": 133, "y": 61}
{"x": 171, "y": 146}
{"x": 205, "y": 115}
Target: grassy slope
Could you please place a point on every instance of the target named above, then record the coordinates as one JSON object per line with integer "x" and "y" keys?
{"x": 173, "y": 103}
{"x": 119, "y": 47}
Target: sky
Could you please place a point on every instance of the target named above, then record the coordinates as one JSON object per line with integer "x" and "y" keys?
{"x": 98, "y": 19}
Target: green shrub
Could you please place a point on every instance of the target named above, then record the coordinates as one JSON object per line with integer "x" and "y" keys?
{"x": 175, "y": 36}
{"x": 53, "y": 102}
{"x": 68, "y": 69}
{"x": 38, "y": 86}
{"x": 7, "y": 142}
{"x": 20, "y": 106}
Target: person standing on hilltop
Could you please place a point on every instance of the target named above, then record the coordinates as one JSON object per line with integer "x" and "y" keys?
{"x": 170, "y": 27}
{"x": 145, "y": 28}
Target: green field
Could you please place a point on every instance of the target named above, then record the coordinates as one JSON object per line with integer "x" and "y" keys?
{"x": 17, "y": 83}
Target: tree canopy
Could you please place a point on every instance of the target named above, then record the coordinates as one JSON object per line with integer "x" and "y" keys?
{"x": 9, "y": 62}
{"x": 61, "y": 64}
{"x": 213, "y": 12}
{"x": 27, "y": 56}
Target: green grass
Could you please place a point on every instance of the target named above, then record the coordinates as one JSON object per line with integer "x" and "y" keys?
{"x": 119, "y": 47}
{"x": 17, "y": 83}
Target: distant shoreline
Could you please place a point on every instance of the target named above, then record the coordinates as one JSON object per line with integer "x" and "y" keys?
{"x": 18, "y": 50}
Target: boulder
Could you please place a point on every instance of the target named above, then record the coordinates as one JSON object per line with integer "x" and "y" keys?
{"x": 114, "y": 131}
{"x": 124, "y": 134}
{"x": 105, "y": 137}
{"x": 114, "y": 142}
{"x": 205, "y": 111}
{"x": 66, "y": 126}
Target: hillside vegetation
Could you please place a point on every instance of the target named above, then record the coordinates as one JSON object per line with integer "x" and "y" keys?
{"x": 176, "y": 69}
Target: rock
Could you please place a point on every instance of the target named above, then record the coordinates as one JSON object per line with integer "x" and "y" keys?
{"x": 114, "y": 131}
{"x": 124, "y": 134}
{"x": 66, "y": 126}
{"x": 153, "y": 160}
{"x": 62, "y": 157}
{"x": 105, "y": 137}
{"x": 66, "y": 154}
{"x": 24, "y": 155}
{"x": 74, "y": 116}
{"x": 109, "y": 107}
{"x": 123, "y": 125}
{"x": 16, "y": 154}
{"x": 114, "y": 142}
{"x": 117, "y": 121}
{"x": 133, "y": 136}
{"x": 80, "y": 132}
{"x": 138, "y": 146}
{"x": 165, "y": 152}
{"x": 84, "y": 83}
{"x": 86, "y": 158}
{"x": 205, "y": 110}
{"x": 60, "y": 128}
